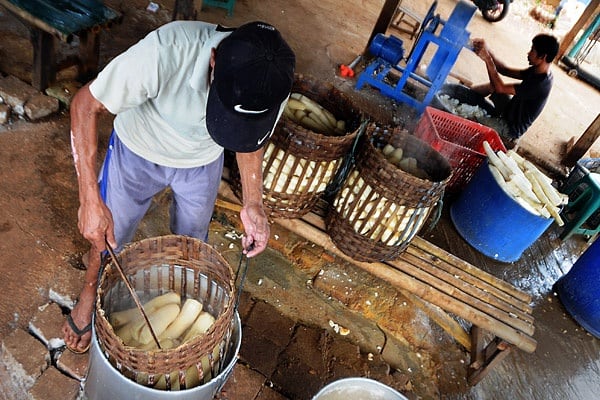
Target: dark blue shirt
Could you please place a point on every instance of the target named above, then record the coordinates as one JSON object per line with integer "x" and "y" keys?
{"x": 528, "y": 102}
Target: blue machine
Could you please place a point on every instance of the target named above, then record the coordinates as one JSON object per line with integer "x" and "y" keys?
{"x": 383, "y": 71}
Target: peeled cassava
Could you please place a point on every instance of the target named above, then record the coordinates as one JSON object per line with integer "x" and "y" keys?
{"x": 120, "y": 318}
{"x": 525, "y": 183}
{"x": 201, "y": 325}
{"x": 289, "y": 174}
{"x": 311, "y": 115}
{"x": 188, "y": 314}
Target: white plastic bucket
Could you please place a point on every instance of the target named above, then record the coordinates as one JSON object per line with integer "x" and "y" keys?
{"x": 358, "y": 388}
{"x": 104, "y": 382}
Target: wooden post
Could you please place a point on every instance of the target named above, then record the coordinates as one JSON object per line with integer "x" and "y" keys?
{"x": 383, "y": 21}
{"x": 89, "y": 55}
{"x": 581, "y": 22}
{"x": 487, "y": 358}
{"x": 184, "y": 10}
{"x": 44, "y": 59}
{"x": 584, "y": 143}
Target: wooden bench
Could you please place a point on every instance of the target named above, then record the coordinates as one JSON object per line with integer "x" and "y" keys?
{"x": 445, "y": 287}
{"x": 62, "y": 19}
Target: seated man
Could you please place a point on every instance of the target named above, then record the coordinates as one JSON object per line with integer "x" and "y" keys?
{"x": 518, "y": 104}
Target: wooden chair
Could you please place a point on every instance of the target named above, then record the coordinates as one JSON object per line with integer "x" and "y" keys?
{"x": 407, "y": 21}
{"x": 581, "y": 208}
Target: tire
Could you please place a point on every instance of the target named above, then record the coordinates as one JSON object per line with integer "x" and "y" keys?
{"x": 497, "y": 13}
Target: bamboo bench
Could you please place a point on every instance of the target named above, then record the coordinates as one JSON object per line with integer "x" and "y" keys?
{"x": 62, "y": 19}
{"x": 445, "y": 287}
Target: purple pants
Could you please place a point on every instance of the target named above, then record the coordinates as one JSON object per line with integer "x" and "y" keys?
{"x": 128, "y": 183}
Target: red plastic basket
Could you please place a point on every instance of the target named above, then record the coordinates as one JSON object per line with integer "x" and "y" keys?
{"x": 459, "y": 140}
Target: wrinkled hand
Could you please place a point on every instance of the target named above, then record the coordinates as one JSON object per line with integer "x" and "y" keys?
{"x": 96, "y": 224}
{"x": 257, "y": 230}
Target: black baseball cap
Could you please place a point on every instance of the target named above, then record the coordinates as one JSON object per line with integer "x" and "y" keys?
{"x": 253, "y": 77}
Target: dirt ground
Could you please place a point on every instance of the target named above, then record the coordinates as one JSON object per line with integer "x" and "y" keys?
{"x": 39, "y": 240}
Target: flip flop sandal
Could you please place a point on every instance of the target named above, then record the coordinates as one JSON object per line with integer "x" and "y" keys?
{"x": 79, "y": 333}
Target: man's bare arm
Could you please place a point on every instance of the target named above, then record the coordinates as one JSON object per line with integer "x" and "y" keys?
{"x": 494, "y": 68}
{"x": 255, "y": 222}
{"x": 95, "y": 221}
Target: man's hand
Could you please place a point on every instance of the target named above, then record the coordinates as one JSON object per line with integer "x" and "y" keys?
{"x": 257, "y": 230}
{"x": 253, "y": 215}
{"x": 481, "y": 49}
{"x": 96, "y": 224}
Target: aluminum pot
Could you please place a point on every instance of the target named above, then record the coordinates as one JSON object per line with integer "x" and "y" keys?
{"x": 358, "y": 388}
{"x": 104, "y": 382}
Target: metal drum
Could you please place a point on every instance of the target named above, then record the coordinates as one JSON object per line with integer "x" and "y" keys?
{"x": 104, "y": 382}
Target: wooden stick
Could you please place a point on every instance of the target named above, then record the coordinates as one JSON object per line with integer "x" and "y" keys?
{"x": 228, "y": 205}
{"x": 132, "y": 292}
{"x": 421, "y": 243}
{"x": 467, "y": 283}
{"x": 487, "y": 288}
{"x": 407, "y": 265}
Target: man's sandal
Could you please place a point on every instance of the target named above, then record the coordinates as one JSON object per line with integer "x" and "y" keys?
{"x": 79, "y": 333}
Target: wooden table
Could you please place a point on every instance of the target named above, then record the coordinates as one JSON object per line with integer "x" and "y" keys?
{"x": 49, "y": 20}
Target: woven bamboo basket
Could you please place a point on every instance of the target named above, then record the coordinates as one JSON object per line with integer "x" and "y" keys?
{"x": 155, "y": 266}
{"x": 380, "y": 208}
{"x": 299, "y": 163}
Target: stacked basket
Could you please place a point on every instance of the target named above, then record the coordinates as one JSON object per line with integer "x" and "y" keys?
{"x": 380, "y": 206}
{"x": 190, "y": 268}
{"x": 300, "y": 162}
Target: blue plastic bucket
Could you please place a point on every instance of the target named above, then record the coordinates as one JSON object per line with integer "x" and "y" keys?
{"x": 579, "y": 290}
{"x": 493, "y": 222}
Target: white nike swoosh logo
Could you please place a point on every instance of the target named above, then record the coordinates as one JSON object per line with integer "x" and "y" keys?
{"x": 240, "y": 108}
{"x": 263, "y": 138}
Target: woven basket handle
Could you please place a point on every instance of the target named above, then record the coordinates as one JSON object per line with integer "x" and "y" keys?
{"x": 347, "y": 164}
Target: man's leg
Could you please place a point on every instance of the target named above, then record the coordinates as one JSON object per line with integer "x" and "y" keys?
{"x": 133, "y": 182}
{"x": 194, "y": 193}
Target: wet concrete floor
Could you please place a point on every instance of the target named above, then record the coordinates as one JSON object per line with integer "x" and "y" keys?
{"x": 566, "y": 363}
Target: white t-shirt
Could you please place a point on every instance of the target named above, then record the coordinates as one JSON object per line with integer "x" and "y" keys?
{"x": 158, "y": 90}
